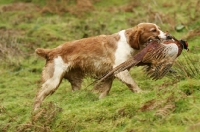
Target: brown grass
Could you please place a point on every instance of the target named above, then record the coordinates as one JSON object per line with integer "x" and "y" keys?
{"x": 19, "y": 6}
{"x": 41, "y": 119}
{"x": 162, "y": 107}
{"x": 191, "y": 34}
{"x": 63, "y": 6}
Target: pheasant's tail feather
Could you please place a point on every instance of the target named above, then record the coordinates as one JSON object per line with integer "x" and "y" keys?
{"x": 123, "y": 66}
{"x": 126, "y": 65}
{"x": 165, "y": 70}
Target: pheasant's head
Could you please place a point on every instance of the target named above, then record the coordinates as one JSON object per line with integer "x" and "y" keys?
{"x": 184, "y": 44}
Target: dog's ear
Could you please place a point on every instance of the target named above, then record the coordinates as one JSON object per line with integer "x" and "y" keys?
{"x": 134, "y": 37}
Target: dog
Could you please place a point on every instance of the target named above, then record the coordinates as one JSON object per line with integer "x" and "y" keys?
{"x": 94, "y": 57}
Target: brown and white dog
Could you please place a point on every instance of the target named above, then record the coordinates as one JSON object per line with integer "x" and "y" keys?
{"x": 94, "y": 56}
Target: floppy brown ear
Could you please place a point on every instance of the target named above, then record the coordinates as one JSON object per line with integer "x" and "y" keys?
{"x": 134, "y": 38}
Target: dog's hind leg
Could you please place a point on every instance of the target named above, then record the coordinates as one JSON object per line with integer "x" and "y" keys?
{"x": 52, "y": 82}
{"x": 76, "y": 84}
{"x": 75, "y": 77}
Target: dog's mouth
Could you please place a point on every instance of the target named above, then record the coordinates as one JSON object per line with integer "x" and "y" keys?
{"x": 157, "y": 38}
{"x": 168, "y": 37}
{"x": 150, "y": 39}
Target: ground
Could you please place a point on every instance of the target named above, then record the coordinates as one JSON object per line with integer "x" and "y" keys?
{"x": 169, "y": 104}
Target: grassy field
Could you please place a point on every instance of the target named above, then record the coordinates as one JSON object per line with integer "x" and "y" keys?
{"x": 171, "y": 104}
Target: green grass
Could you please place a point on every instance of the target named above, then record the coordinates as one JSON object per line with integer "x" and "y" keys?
{"x": 167, "y": 105}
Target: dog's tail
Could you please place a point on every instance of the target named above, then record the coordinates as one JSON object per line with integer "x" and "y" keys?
{"x": 42, "y": 52}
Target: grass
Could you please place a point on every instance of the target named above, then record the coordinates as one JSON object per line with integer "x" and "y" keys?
{"x": 170, "y": 104}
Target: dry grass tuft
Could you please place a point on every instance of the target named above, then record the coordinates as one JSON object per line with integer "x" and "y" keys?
{"x": 162, "y": 107}
{"x": 81, "y": 7}
{"x": 194, "y": 128}
{"x": 19, "y": 6}
{"x": 42, "y": 119}
{"x": 55, "y": 7}
{"x": 63, "y": 6}
{"x": 131, "y": 6}
{"x": 192, "y": 34}
{"x": 5, "y": 127}
{"x": 165, "y": 110}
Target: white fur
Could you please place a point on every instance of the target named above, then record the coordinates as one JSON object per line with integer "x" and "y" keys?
{"x": 123, "y": 51}
{"x": 162, "y": 35}
{"x": 60, "y": 67}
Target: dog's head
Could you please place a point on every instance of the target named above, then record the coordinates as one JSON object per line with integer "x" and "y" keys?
{"x": 142, "y": 33}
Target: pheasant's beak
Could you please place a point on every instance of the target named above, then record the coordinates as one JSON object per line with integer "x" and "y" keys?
{"x": 168, "y": 36}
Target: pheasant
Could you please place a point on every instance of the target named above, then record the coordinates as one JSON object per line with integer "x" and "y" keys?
{"x": 157, "y": 57}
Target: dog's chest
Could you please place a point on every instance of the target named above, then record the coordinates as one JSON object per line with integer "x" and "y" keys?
{"x": 123, "y": 51}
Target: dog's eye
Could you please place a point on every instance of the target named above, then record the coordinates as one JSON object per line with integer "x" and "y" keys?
{"x": 153, "y": 30}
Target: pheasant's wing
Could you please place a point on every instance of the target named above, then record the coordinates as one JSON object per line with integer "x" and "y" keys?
{"x": 158, "y": 71}
{"x": 123, "y": 66}
{"x": 161, "y": 60}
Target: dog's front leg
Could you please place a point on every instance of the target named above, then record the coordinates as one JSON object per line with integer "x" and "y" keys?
{"x": 104, "y": 87}
{"x": 126, "y": 78}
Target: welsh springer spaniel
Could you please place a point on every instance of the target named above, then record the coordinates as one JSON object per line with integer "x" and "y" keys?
{"x": 94, "y": 56}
